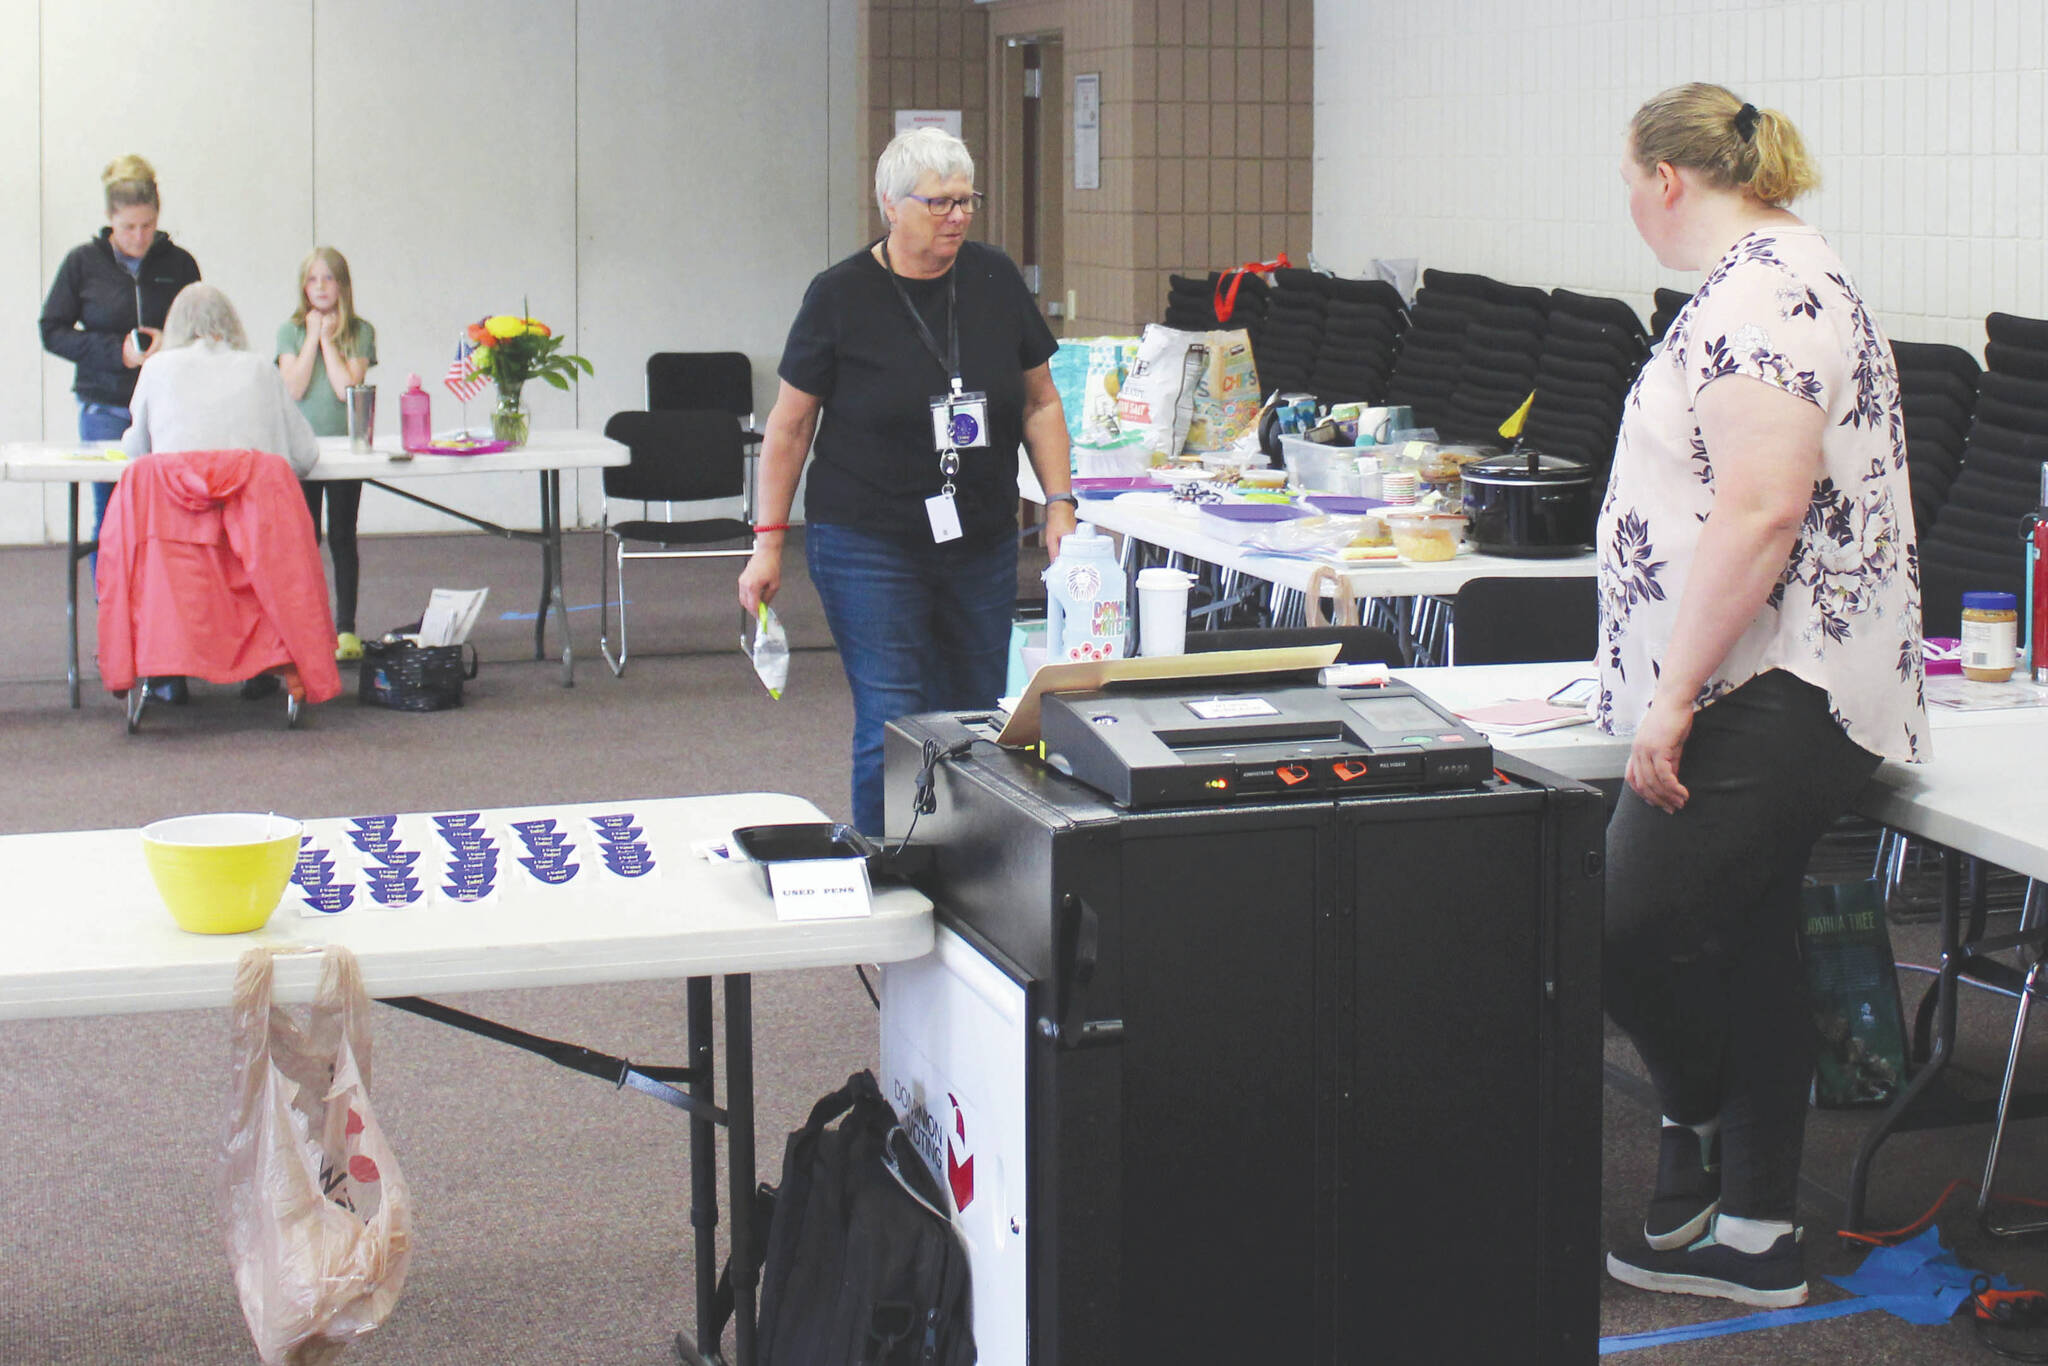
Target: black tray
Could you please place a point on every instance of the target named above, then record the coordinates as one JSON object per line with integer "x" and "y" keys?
{"x": 767, "y": 845}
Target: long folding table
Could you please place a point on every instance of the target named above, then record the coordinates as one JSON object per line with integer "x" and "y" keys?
{"x": 1181, "y": 529}
{"x": 87, "y": 934}
{"x": 546, "y": 453}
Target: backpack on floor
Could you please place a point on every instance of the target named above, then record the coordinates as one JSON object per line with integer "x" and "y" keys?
{"x": 863, "y": 1265}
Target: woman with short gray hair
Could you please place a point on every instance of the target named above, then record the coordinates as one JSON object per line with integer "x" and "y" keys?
{"x": 205, "y": 391}
{"x": 926, "y": 356}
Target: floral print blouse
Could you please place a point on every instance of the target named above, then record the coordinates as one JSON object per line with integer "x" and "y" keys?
{"x": 1845, "y": 612}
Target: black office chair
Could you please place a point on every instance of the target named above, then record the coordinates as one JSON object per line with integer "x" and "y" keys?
{"x": 701, "y": 379}
{"x": 1357, "y": 644}
{"x": 1501, "y": 620}
{"x": 686, "y": 456}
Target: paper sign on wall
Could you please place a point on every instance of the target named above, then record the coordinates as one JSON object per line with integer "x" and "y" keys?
{"x": 945, "y": 120}
{"x": 1088, "y": 132}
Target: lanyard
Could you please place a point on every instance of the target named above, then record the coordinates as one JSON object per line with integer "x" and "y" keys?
{"x": 950, "y": 357}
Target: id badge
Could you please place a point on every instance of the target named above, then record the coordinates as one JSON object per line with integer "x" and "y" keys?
{"x": 945, "y": 517}
{"x": 960, "y": 421}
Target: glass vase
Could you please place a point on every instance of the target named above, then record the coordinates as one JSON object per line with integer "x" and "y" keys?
{"x": 509, "y": 421}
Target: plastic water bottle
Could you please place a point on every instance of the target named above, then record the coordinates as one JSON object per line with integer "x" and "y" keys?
{"x": 415, "y": 416}
{"x": 1085, "y": 609}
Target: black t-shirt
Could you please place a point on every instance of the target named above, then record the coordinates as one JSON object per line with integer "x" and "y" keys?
{"x": 853, "y": 346}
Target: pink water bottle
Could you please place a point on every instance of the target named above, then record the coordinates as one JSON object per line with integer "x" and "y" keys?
{"x": 415, "y": 416}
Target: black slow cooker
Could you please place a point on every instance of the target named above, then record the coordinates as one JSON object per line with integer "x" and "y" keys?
{"x": 1528, "y": 504}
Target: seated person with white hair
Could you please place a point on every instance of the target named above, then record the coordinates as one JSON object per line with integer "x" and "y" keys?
{"x": 206, "y": 391}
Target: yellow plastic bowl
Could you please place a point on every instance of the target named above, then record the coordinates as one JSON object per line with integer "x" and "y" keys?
{"x": 224, "y": 873}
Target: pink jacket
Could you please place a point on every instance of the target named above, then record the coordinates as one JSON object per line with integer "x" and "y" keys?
{"x": 209, "y": 568}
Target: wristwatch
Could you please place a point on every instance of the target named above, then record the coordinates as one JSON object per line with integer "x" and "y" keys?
{"x": 1069, "y": 499}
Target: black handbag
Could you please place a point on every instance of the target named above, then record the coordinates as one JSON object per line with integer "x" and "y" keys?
{"x": 409, "y": 677}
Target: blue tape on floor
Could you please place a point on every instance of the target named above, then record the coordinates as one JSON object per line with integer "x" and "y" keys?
{"x": 529, "y": 616}
{"x": 1748, "y": 1323}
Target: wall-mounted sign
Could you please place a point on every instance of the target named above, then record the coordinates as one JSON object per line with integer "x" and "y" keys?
{"x": 946, "y": 120}
{"x": 1088, "y": 132}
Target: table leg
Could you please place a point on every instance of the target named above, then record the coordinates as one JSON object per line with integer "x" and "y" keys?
{"x": 703, "y": 1166}
{"x": 554, "y": 501}
{"x": 71, "y": 596}
{"x": 739, "y": 1138}
{"x": 1940, "y": 1050}
{"x": 547, "y": 574}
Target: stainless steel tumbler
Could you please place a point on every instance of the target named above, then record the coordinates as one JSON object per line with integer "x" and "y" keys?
{"x": 362, "y": 417}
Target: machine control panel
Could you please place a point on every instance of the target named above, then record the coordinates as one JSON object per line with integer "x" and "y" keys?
{"x": 1203, "y": 741}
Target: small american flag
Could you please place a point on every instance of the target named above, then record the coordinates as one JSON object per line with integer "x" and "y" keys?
{"x": 462, "y": 379}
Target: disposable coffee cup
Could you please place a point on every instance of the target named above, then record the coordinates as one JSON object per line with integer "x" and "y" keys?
{"x": 362, "y": 417}
{"x": 1163, "y": 611}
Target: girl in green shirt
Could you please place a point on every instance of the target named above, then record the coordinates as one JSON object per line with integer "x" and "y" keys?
{"x": 322, "y": 350}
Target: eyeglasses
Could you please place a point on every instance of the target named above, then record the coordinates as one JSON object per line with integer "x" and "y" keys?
{"x": 943, "y": 205}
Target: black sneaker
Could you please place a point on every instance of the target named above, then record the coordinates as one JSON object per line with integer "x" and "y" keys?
{"x": 1688, "y": 1188}
{"x": 1772, "y": 1279}
{"x": 169, "y": 689}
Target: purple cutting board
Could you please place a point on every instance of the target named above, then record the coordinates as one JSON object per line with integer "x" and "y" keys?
{"x": 1253, "y": 512}
{"x": 1344, "y": 504}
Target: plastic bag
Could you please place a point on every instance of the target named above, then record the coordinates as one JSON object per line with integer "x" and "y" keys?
{"x": 319, "y": 1220}
{"x": 1196, "y": 391}
{"x": 770, "y": 651}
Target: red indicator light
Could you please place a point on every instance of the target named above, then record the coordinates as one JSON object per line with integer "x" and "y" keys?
{"x": 1219, "y": 784}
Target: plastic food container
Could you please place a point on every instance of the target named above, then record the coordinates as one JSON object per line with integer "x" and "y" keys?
{"x": 1426, "y": 536}
{"x": 222, "y": 873}
{"x": 766, "y": 846}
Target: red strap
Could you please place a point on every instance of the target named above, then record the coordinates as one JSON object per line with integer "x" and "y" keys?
{"x": 1227, "y": 283}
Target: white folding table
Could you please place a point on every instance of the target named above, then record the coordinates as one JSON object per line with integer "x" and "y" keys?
{"x": 546, "y": 453}
{"x": 1153, "y": 518}
{"x": 87, "y": 934}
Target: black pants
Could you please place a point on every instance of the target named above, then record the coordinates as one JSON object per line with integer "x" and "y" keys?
{"x": 1702, "y": 968}
{"x": 344, "y": 500}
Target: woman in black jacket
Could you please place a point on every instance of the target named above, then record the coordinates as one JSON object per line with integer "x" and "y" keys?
{"x": 105, "y": 311}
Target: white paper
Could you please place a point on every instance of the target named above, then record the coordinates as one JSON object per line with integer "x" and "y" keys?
{"x": 821, "y": 889}
{"x": 451, "y": 614}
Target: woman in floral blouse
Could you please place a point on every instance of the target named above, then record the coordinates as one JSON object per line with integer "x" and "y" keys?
{"x": 1760, "y": 641}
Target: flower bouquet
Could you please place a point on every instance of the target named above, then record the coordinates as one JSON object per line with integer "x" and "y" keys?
{"x": 510, "y": 351}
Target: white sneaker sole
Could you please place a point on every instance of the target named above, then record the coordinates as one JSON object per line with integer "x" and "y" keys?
{"x": 1685, "y": 1235}
{"x": 1672, "y": 1283}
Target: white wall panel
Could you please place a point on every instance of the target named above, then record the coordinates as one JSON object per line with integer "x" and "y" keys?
{"x": 1484, "y": 135}
{"x": 707, "y": 152}
{"x": 444, "y": 145}
{"x": 21, "y": 267}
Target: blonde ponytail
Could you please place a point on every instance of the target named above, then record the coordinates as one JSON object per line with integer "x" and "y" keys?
{"x": 1736, "y": 146}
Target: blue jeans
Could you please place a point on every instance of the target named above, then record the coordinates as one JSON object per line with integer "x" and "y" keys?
{"x": 920, "y": 627}
{"x": 100, "y": 422}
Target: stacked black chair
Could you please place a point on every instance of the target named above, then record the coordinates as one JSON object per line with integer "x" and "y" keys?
{"x": 1665, "y": 305}
{"x": 1291, "y": 336}
{"x": 1974, "y": 543}
{"x": 1363, "y": 322}
{"x": 1191, "y": 304}
{"x": 1938, "y": 390}
{"x": 1496, "y": 370}
{"x": 1427, "y": 366}
{"x": 1591, "y": 353}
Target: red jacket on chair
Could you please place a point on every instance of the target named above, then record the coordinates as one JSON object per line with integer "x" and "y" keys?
{"x": 209, "y": 569}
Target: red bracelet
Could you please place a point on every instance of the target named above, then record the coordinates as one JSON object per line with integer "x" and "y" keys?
{"x": 777, "y": 526}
